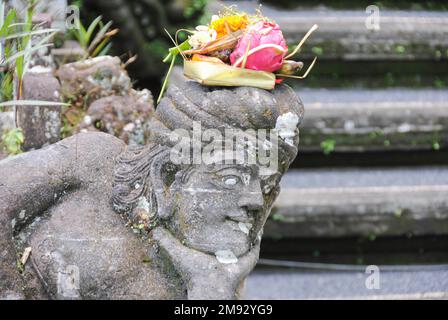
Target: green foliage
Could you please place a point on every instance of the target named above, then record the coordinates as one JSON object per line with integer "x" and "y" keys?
{"x": 400, "y": 49}
{"x": 18, "y": 47}
{"x": 94, "y": 44}
{"x": 318, "y": 51}
{"x": 171, "y": 57}
{"x": 328, "y": 146}
{"x": 194, "y": 6}
{"x": 278, "y": 217}
{"x": 12, "y": 140}
{"x": 6, "y": 84}
{"x": 6, "y": 87}
{"x": 439, "y": 84}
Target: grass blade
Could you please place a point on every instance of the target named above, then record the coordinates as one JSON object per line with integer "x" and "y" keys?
{"x": 99, "y": 36}
{"x": 23, "y": 52}
{"x": 92, "y": 28}
{"x": 13, "y": 103}
{"x": 7, "y": 22}
{"x": 30, "y": 33}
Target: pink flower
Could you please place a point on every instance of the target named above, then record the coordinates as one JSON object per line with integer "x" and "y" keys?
{"x": 267, "y": 48}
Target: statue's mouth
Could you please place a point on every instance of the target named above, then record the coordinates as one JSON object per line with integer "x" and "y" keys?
{"x": 244, "y": 218}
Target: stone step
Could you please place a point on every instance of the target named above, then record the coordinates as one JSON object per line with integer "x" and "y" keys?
{"x": 343, "y": 35}
{"x": 360, "y": 120}
{"x": 406, "y": 283}
{"x": 361, "y": 202}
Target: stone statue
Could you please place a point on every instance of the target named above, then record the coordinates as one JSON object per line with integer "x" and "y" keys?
{"x": 106, "y": 221}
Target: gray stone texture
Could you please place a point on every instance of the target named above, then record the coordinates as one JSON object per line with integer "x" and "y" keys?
{"x": 125, "y": 117}
{"x": 41, "y": 125}
{"x": 361, "y": 202}
{"x": 94, "y": 78}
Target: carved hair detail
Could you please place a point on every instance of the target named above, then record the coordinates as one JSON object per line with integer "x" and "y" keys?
{"x": 132, "y": 176}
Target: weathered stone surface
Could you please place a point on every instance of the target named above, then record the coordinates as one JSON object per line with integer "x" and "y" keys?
{"x": 178, "y": 224}
{"x": 41, "y": 57}
{"x": 94, "y": 78}
{"x": 6, "y": 120}
{"x": 6, "y": 123}
{"x": 41, "y": 125}
{"x": 409, "y": 283}
{"x": 356, "y": 202}
{"x": 125, "y": 117}
{"x": 54, "y": 8}
{"x": 375, "y": 120}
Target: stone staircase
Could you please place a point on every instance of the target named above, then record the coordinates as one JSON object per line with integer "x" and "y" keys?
{"x": 369, "y": 120}
{"x": 374, "y": 137}
{"x": 413, "y": 284}
{"x": 366, "y": 202}
{"x": 372, "y": 164}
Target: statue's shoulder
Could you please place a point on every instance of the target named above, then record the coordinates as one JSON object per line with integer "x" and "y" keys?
{"x": 92, "y": 152}
{"x": 89, "y": 141}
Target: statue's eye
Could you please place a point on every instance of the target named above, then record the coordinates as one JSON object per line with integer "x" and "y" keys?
{"x": 231, "y": 181}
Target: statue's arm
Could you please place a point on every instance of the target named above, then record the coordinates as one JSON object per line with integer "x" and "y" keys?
{"x": 31, "y": 182}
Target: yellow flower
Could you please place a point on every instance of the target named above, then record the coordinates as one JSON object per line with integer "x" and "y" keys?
{"x": 229, "y": 23}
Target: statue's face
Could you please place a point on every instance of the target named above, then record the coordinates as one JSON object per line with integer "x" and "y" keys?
{"x": 219, "y": 208}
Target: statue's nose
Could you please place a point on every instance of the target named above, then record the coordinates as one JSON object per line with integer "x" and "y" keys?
{"x": 251, "y": 199}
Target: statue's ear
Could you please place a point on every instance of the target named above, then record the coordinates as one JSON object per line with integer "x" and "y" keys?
{"x": 163, "y": 173}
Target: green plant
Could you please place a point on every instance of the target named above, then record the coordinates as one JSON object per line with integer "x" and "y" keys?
{"x": 328, "y": 146}
{"x": 400, "y": 49}
{"x": 12, "y": 140}
{"x": 171, "y": 57}
{"x": 98, "y": 44}
{"x": 194, "y": 6}
{"x": 278, "y": 217}
{"x": 318, "y": 51}
{"x": 6, "y": 87}
{"x": 18, "y": 49}
{"x": 16, "y": 54}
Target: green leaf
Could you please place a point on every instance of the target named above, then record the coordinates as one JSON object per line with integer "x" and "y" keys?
{"x": 20, "y": 66}
{"x": 8, "y": 20}
{"x": 25, "y": 52}
{"x": 81, "y": 34}
{"x": 30, "y": 33}
{"x": 328, "y": 146}
{"x": 99, "y": 36}
{"x": 92, "y": 28}
{"x": 278, "y": 217}
{"x": 13, "y": 140}
{"x": 6, "y": 87}
{"x": 174, "y": 51}
{"x": 106, "y": 50}
{"x": 100, "y": 47}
